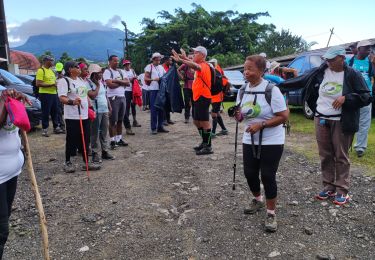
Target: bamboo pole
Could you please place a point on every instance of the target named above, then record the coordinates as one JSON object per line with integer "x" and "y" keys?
{"x": 38, "y": 199}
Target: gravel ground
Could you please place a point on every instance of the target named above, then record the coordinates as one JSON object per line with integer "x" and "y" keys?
{"x": 158, "y": 200}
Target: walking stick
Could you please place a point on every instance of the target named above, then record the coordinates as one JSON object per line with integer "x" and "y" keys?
{"x": 84, "y": 143}
{"x": 235, "y": 158}
{"x": 38, "y": 199}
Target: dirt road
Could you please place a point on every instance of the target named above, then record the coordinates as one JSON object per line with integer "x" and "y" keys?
{"x": 158, "y": 200}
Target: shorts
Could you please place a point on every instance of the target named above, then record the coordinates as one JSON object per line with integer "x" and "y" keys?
{"x": 215, "y": 107}
{"x": 201, "y": 109}
{"x": 118, "y": 109}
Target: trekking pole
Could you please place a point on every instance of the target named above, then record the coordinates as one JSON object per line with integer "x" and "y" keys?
{"x": 84, "y": 143}
{"x": 235, "y": 158}
{"x": 38, "y": 199}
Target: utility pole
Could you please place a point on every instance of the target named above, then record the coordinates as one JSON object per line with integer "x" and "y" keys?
{"x": 126, "y": 49}
{"x": 330, "y": 36}
{"x": 4, "y": 45}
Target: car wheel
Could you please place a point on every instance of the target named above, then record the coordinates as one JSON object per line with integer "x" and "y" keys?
{"x": 309, "y": 114}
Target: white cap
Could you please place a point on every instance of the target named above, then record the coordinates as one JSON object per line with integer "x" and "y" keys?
{"x": 213, "y": 61}
{"x": 94, "y": 68}
{"x": 156, "y": 55}
{"x": 364, "y": 43}
{"x": 263, "y": 55}
{"x": 274, "y": 65}
{"x": 201, "y": 49}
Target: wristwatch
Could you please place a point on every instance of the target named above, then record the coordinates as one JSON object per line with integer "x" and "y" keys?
{"x": 264, "y": 124}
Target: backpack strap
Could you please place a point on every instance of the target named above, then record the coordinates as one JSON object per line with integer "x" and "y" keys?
{"x": 267, "y": 93}
{"x": 68, "y": 83}
{"x": 351, "y": 61}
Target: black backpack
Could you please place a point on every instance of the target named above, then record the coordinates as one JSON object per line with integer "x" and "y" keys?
{"x": 35, "y": 87}
{"x": 216, "y": 81}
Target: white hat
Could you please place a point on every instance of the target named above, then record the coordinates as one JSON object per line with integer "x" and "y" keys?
{"x": 274, "y": 65}
{"x": 213, "y": 61}
{"x": 263, "y": 55}
{"x": 94, "y": 68}
{"x": 201, "y": 49}
{"x": 364, "y": 43}
{"x": 156, "y": 55}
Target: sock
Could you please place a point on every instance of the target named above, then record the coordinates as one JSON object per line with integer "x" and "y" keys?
{"x": 200, "y": 130}
{"x": 221, "y": 123}
{"x": 206, "y": 135}
{"x": 271, "y": 212}
{"x": 113, "y": 139}
{"x": 259, "y": 198}
{"x": 118, "y": 138}
{"x": 214, "y": 124}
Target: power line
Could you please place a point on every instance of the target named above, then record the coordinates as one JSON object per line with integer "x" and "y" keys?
{"x": 338, "y": 37}
{"x": 315, "y": 35}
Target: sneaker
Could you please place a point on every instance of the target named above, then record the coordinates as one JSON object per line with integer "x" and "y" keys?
{"x": 107, "y": 156}
{"x": 270, "y": 224}
{"x": 45, "y": 133}
{"x": 170, "y": 122}
{"x": 255, "y": 206}
{"x": 113, "y": 145}
{"x": 129, "y": 131}
{"x": 186, "y": 121}
{"x": 360, "y": 153}
{"x": 213, "y": 135}
{"x": 122, "y": 143}
{"x": 58, "y": 130}
{"x": 92, "y": 167}
{"x": 323, "y": 195}
{"x": 96, "y": 158}
{"x": 205, "y": 150}
{"x": 341, "y": 199}
{"x": 222, "y": 132}
{"x": 135, "y": 124}
{"x": 199, "y": 147}
{"x": 69, "y": 167}
{"x": 162, "y": 130}
{"x": 154, "y": 132}
{"x": 165, "y": 123}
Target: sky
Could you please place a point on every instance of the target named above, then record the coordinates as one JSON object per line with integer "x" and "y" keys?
{"x": 310, "y": 19}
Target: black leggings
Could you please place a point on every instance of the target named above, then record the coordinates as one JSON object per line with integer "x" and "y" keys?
{"x": 267, "y": 165}
{"x": 7, "y": 192}
{"x": 129, "y": 105}
{"x": 74, "y": 137}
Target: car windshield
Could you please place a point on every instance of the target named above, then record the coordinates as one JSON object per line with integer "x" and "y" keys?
{"x": 13, "y": 79}
{"x": 234, "y": 74}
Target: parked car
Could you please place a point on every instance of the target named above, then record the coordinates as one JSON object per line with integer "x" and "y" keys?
{"x": 237, "y": 80}
{"x": 34, "y": 111}
{"x": 27, "y": 79}
{"x": 8, "y": 80}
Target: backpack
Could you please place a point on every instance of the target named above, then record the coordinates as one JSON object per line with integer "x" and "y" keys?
{"x": 267, "y": 93}
{"x": 370, "y": 72}
{"x": 216, "y": 81}
{"x": 35, "y": 87}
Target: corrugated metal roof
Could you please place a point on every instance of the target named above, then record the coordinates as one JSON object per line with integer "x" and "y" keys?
{"x": 24, "y": 60}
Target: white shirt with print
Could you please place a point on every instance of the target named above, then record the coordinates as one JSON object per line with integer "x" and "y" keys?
{"x": 262, "y": 111}
{"x": 330, "y": 89}
{"x": 78, "y": 88}
{"x": 130, "y": 74}
{"x": 156, "y": 72}
{"x": 119, "y": 91}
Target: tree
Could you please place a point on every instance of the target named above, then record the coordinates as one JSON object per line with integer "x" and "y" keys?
{"x": 64, "y": 58}
{"x": 46, "y": 53}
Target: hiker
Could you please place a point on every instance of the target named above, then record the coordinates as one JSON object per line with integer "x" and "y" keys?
{"x": 131, "y": 75}
{"x": 100, "y": 102}
{"x": 11, "y": 162}
{"x": 263, "y": 140}
{"x": 116, "y": 83}
{"x": 283, "y": 72}
{"x": 201, "y": 95}
{"x": 166, "y": 63}
{"x": 153, "y": 74}
{"x": 73, "y": 94}
{"x": 145, "y": 94}
{"x": 46, "y": 84}
{"x": 187, "y": 75}
{"x": 353, "y": 48}
{"x": 361, "y": 62}
{"x": 335, "y": 92}
{"x": 216, "y": 104}
{"x": 59, "y": 67}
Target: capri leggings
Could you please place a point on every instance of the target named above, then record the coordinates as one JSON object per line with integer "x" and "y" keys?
{"x": 267, "y": 166}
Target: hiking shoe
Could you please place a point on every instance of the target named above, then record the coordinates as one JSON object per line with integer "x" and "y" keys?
{"x": 58, "y": 130}
{"x": 205, "y": 150}
{"x": 154, "y": 132}
{"x": 96, "y": 158}
{"x": 165, "y": 123}
{"x": 129, "y": 131}
{"x": 186, "y": 121}
{"x": 170, "y": 122}
{"x": 92, "y": 167}
{"x": 341, "y": 199}
{"x": 255, "y": 206}
{"x": 323, "y": 195}
{"x": 213, "y": 135}
{"x": 199, "y": 147}
{"x": 360, "y": 153}
{"x": 163, "y": 130}
{"x": 107, "y": 156}
{"x": 122, "y": 143}
{"x": 113, "y": 145}
{"x": 69, "y": 167}
{"x": 135, "y": 124}
{"x": 270, "y": 224}
{"x": 45, "y": 133}
{"x": 222, "y": 132}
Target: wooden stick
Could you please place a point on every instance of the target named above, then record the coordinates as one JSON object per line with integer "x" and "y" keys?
{"x": 38, "y": 199}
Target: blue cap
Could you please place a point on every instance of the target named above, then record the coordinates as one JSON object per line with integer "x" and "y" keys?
{"x": 334, "y": 51}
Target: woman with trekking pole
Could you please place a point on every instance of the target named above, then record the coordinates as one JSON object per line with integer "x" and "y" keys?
{"x": 73, "y": 94}
{"x": 261, "y": 106}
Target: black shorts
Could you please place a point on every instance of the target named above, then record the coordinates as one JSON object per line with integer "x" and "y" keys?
{"x": 201, "y": 109}
{"x": 216, "y": 107}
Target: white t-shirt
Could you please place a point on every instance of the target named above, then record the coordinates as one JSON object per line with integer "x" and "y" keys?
{"x": 78, "y": 88}
{"x": 130, "y": 74}
{"x": 330, "y": 89}
{"x": 156, "y": 72}
{"x": 11, "y": 157}
{"x": 111, "y": 92}
{"x": 141, "y": 79}
{"x": 262, "y": 111}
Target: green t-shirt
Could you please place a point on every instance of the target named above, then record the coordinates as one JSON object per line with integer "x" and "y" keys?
{"x": 48, "y": 77}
